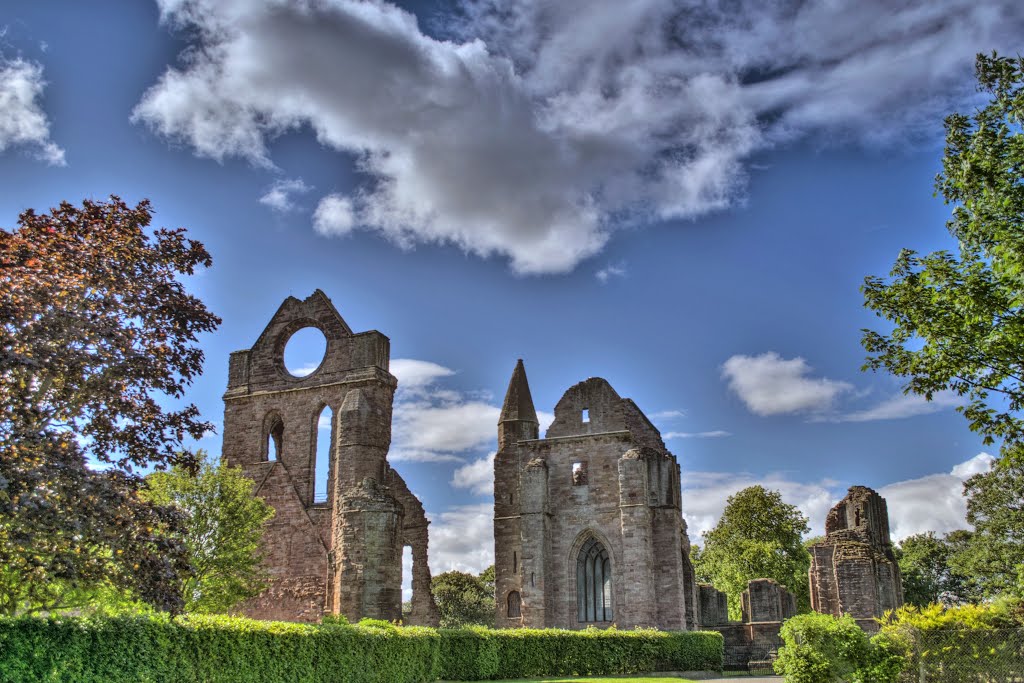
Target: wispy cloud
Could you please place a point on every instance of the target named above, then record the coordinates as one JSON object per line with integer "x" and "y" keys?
{"x": 279, "y": 196}
{"x": 534, "y": 130}
{"x": 715, "y": 434}
{"x": 22, "y": 121}
{"x": 610, "y": 271}
{"x": 667, "y": 415}
{"x": 902, "y": 406}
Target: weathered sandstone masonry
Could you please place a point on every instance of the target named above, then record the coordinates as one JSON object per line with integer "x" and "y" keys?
{"x": 343, "y": 554}
{"x": 766, "y": 604}
{"x": 588, "y": 527}
{"x": 854, "y": 571}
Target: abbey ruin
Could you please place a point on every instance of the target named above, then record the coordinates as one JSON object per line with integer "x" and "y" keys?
{"x": 342, "y": 554}
{"x": 588, "y": 525}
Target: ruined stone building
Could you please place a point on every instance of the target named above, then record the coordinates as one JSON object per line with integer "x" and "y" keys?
{"x": 854, "y": 570}
{"x": 588, "y": 528}
{"x": 765, "y": 604}
{"x": 339, "y": 553}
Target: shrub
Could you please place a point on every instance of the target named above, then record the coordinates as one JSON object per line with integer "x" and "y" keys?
{"x": 820, "y": 648}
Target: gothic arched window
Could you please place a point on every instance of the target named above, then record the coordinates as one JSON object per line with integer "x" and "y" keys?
{"x": 593, "y": 583}
{"x": 515, "y": 603}
{"x": 275, "y": 435}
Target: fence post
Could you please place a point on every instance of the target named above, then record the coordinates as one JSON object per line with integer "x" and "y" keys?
{"x": 922, "y": 677}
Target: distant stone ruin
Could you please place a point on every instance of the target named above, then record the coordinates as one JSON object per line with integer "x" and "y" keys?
{"x": 588, "y": 528}
{"x": 854, "y": 570}
{"x": 338, "y": 551}
{"x": 765, "y": 603}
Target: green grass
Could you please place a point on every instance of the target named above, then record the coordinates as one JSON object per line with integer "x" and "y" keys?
{"x": 599, "y": 679}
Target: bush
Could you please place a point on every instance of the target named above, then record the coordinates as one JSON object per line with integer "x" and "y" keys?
{"x": 820, "y": 648}
{"x": 214, "y": 649}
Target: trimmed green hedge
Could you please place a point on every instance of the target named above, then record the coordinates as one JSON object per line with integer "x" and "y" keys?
{"x": 472, "y": 654}
{"x": 154, "y": 649}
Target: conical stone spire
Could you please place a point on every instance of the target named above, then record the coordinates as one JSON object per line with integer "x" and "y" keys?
{"x": 518, "y": 419}
{"x": 518, "y": 404}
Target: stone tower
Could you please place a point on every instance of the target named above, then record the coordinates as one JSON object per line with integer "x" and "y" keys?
{"x": 854, "y": 570}
{"x": 341, "y": 554}
{"x": 588, "y": 528}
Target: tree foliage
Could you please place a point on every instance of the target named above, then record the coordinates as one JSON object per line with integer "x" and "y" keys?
{"x": 463, "y": 599}
{"x": 958, "y": 320}
{"x": 927, "y": 565}
{"x": 95, "y": 329}
{"x": 758, "y": 536}
{"x": 994, "y": 554}
{"x": 222, "y": 533}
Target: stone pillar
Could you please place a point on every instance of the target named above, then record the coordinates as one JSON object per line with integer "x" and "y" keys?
{"x": 535, "y": 525}
{"x": 669, "y": 572}
{"x": 367, "y": 576}
{"x": 364, "y": 436}
{"x": 634, "y": 574}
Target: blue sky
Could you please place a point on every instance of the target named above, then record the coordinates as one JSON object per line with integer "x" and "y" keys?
{"x": 680, "y": 198}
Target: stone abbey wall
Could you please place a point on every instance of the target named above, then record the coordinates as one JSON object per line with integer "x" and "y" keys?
{"x": 342, "y": 555}
{"x": 600, "y": 482}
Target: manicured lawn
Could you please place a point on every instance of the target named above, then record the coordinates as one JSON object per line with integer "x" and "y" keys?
{"x": 595, "y": 680}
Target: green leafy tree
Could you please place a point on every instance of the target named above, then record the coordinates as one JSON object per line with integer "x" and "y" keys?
{"x": 758, "y": 536}
{"x": 95, "y": 329}
{"x": 462, "y": 599}
{"x": 222, "y": 533}
{"x": 957, "y": 320}
{"x": 994, "y": 554}
{"x": 926, "y": 564}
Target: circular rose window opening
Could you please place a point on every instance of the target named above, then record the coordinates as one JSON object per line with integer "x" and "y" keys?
{"x": 304, "y": 352}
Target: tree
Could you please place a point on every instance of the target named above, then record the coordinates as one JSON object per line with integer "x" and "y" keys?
{"x": 994, "y": 554}
{"x": 222, "y": 533}
{"x": 758, "y": 536}
{"x": 462, "y": 599}
{"x": 926, "y": 564}
{"x": 95, "y": 330}
{"x": 958, "y": 321}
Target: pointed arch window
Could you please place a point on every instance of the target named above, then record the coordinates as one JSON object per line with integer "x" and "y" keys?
{"x": 593, "y": 583}
{"x": 323, "y": 438}
{"x": 275, "y": 435}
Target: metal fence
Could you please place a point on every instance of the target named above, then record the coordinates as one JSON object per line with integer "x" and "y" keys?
{"x": 967, "y": 656}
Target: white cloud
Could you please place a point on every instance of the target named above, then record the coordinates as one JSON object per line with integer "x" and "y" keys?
{"x": 462, "y": 538}
{"x": 22, "y": 121}
{"x": 477, "y": 476}
{"x": 715, "y": 434}
{"x": 551, "y": 124}
{"x": 279, "y": 195}
{"x": 413, "y": 373}
{"x": 934, "y": 502}
{"x": 610, "y": 271}
{"x": 334, "y": 216}
{"x": 771, "y": 385}
{"x": 902, "y": 406}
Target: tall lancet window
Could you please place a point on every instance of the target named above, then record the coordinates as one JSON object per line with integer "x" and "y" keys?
{"x": 593, "y": 583}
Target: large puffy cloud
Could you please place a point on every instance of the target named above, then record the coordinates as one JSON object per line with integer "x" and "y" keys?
{"x": 771, "y": 385}
{"x": 932, "y": 503}
{"x": 543, "y": 126}
{"x": 22, "y": 121}
{"x": 477, "y": 476}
